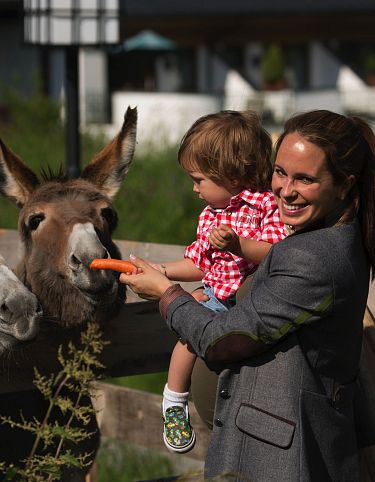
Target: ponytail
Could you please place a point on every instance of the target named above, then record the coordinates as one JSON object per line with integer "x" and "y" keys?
{"x": 366, "y": 190}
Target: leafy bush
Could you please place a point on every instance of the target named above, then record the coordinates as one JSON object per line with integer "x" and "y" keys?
{"x": 272, "y": 65}
{"x": 156, "y": 202}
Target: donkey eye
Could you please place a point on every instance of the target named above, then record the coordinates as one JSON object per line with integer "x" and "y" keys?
{"x": 110, "y": 216}
{"x": 35, "y": 220}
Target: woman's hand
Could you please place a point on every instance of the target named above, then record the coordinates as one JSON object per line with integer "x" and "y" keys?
{"x": 148, "y": 283}
{"x": 225, "y": 239}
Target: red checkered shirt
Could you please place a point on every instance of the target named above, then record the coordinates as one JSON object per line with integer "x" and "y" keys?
{"x": 251, "y": 214}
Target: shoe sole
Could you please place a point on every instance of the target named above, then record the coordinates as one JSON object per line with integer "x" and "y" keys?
{"x": 178, "y": 449}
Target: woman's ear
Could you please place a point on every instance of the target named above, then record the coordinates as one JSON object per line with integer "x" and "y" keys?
{"x": 346, "y": 186}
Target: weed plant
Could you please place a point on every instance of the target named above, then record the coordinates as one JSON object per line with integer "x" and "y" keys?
{"x": 63, "y": 391}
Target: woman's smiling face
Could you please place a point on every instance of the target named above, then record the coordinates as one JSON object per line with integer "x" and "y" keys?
{"x": 302, "y": 184}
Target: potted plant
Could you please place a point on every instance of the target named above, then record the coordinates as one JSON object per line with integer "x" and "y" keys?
{"x": 369, "y": 68}
{"x": 273, "y": 68}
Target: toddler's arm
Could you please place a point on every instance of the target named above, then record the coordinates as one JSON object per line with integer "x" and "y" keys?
{"x": 182, "y": 270}
{"x": 225, "y": 239}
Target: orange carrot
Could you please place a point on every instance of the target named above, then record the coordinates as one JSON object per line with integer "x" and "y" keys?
{"x": 114, "y": 264}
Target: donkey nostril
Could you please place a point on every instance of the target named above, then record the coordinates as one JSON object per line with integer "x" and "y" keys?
{"x": 6, "y": 314}
{"x": 75, "y": 261}
{"x": 39, "y": 309}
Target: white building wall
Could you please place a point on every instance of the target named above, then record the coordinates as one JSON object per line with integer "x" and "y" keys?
{"x": 324, "y": 67}
{"x": 252, "y": 58}
{"x": 219, "y": 74}
{"x": 238, "y": 93}
{"x": 329, "y": 99}
{"x": 163, "y": 118}
{"x": 202, "y": 69}
{"x": 93, "y": 84}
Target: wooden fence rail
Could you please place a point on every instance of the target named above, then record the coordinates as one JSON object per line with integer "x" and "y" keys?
{"x": 140, "y": 341}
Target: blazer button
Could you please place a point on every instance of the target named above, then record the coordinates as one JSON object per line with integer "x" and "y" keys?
{"x": 224, "y": 393}
{"x": 218, "y": 422}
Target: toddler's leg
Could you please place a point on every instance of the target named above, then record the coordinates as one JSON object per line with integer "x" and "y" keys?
{"x": 180, "y": 368}
{"x": 179, "y": 436}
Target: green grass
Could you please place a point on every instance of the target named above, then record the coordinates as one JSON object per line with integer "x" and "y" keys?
{"x": 120, "y": 462}
{"x": 152, "y": 382}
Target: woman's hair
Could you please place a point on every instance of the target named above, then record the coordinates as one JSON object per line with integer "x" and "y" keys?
{"x": 229, "y": 145}
{"x": 349, "y": 147}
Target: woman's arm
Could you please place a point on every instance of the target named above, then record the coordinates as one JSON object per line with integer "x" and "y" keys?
{"x": 286, "y": 295}
{"x": 292, "y": 288}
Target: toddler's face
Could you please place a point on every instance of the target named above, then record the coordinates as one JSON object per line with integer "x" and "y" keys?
{"x": 214, "y": 194}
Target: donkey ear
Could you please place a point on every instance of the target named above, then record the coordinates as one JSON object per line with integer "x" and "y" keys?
{"x": 108, "y": 168}
{"x": 17, "y": 181}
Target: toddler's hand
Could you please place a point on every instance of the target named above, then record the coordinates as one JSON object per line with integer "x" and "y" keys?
{"x": 224, "y": 238}
{"x": 159, "y": 267}
{"x": 199, "y": 295}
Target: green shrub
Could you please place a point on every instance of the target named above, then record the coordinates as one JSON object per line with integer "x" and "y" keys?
{"x": 120, "y": 462}
{"x": 369, "y": 62}
{"x": 156, "y": 202}
{"x": 272, "y": 64}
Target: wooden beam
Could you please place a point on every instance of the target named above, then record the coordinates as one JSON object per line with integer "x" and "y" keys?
{"x": 140, "y": 340}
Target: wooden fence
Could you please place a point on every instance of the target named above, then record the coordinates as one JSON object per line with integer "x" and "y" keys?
{"x": 140, "y": 343}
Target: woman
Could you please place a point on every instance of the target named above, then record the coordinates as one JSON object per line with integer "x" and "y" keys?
{"x": 288, "y": 353}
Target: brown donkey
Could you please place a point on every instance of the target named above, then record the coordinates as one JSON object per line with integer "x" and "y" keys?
{"x": 63, "y": 225}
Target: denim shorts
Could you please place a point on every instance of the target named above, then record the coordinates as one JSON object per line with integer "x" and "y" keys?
{"x": 214, "y": 303}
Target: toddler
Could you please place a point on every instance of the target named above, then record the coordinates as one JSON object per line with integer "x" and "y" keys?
{"x": 228, "y": 157}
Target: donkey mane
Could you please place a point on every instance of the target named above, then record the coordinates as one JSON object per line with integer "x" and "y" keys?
{"x": 64, "y": 187}
{"x": 47, "y": 174}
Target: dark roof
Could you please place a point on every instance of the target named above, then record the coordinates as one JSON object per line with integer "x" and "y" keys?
{"x": 242, "y": 7}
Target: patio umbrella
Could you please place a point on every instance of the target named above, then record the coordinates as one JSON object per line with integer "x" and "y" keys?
{"x": 148, "y": 40}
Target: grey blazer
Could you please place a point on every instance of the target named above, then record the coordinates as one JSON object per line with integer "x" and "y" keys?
{"x": 287, "y": 415}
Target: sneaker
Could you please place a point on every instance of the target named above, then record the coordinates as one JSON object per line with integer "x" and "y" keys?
{"x": 179, "y": 435}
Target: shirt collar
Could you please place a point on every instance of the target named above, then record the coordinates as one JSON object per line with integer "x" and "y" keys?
{"x": 243, "y": 196}
{"x": 235, "y": 201}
